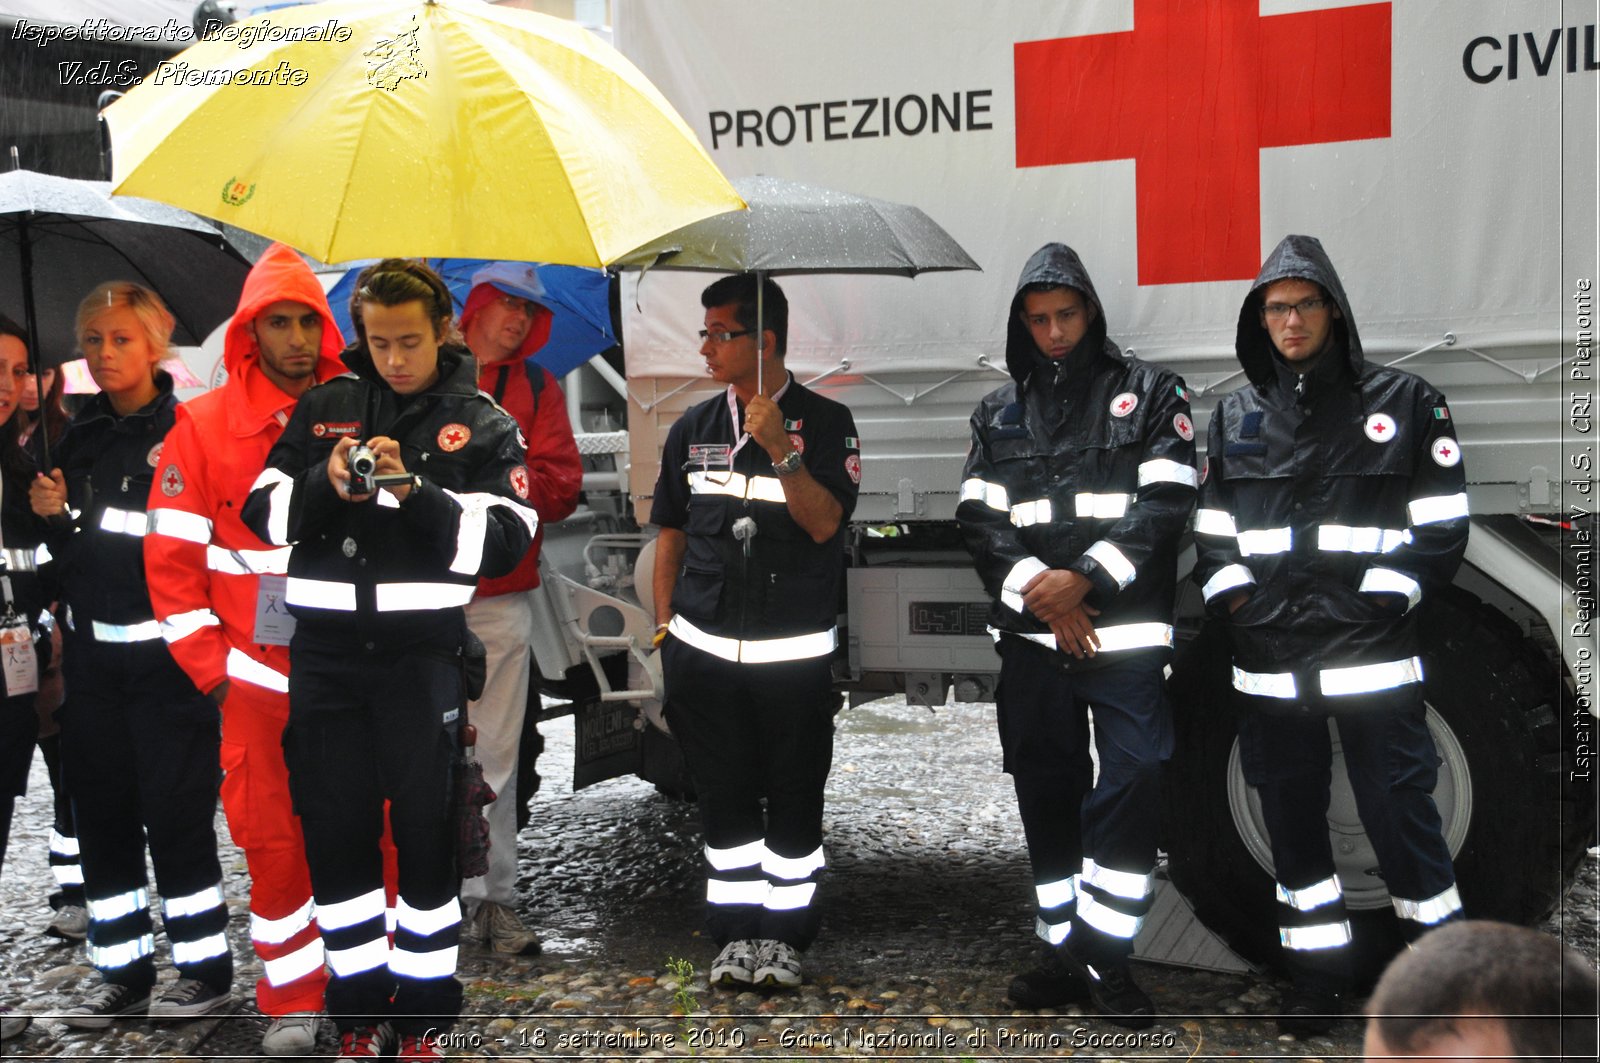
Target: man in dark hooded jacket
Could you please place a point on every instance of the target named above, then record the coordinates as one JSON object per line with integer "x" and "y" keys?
{"x": 1079, "y": 481}
{"x": 1332, "y": 500}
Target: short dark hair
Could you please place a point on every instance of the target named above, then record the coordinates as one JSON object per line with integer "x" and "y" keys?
{"x": 739, "y": 291}
{"x": 403, "y": 280}
{"x": 1541, "y": 990}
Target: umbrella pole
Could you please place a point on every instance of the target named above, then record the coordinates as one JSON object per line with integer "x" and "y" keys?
{"x": 30, "y": 322}
{"x": 761, "y": 334}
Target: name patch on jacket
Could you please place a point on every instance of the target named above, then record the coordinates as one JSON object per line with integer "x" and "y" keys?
{"x": 704, "y": 454}
{"x": 324, "y": 429}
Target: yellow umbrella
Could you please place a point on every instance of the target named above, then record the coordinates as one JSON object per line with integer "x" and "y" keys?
{"x": 451, "y": 128}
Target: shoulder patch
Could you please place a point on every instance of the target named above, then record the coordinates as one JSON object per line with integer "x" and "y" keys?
{"x": 1379, "y": 427}
{"x": 171, "y": 481}
{"x": 454, "y": 436}
{"x": 1183, "y": 426}
{"x": 1441, "y": 413}
{"x": 852, "y": 467}
{"x": 519, "y": 481}
{"x": 154, "y": 457}
{"x": 1124, "y": 404}
{"x": 1446, "y": 452}
{"x": 853, "y": 443}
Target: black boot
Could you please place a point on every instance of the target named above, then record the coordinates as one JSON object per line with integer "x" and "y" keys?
{"x": 1052, "y": 983}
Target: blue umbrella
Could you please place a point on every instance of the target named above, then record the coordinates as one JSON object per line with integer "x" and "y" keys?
{"x": 578, "y": 298}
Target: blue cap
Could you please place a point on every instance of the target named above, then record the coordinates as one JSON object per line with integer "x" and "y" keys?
{"x": 514, "y": 278}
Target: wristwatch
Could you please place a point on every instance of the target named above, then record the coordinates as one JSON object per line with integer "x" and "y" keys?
{"x": 787, "y": 464}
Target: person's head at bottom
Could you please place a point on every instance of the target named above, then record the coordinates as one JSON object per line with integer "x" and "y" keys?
{"x": 402, "y": 311}
{"x": 1484, "y": 990}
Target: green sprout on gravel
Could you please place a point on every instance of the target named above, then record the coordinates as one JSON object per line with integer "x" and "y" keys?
{"x": 683, "y": 996}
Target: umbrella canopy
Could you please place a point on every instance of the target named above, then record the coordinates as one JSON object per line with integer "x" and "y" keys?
{"x": 79, "y": 381}
{"x": 792, "y": 227}
{"x": 579, "y": 300}
{"x": 441, "y": 127}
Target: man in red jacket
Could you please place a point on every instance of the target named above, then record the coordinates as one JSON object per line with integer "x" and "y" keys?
{"x": 504, "y": 323}
{"x": 218, "y": 592}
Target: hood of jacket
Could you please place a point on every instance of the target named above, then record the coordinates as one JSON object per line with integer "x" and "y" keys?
{"x": 1297, "y": 258}
{"x": 458, "y": 371}
{"x": 1055, "y": 266}
{"x": 511, "y": 279}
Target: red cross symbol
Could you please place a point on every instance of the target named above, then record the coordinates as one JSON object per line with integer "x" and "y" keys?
{"x": 1192, "y": 94}
{"x": 171, "y": 480}
{"x": 1124, "y": 406}
{"x": 453, "y": 437}
{"x": 1379, "y": 427}
{"x": 1444, "y": 451}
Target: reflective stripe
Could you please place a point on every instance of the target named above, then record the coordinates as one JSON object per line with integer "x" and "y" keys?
{"x": 124, "y": 522}
{"x": 1309, "y": 938}
{"x": 194, "y": 904}
{"x": 1108, "y": 920}
{"x": 1055, "y": 894}
{"x": 1227, "y": 578}
{"x": 1016, "y": 579}
{"x": 747, "y": 855}
{"x": 1433, "y": 910}
{"x": 1125, "y": 884}
{"x": 41, "y": 554}
{"x": 68, "y": 874}
{"x": 756, "y": 651}
{"x": 1215, "y": 522}
{"x": 990, "y": 494}
{"x": 1311, "y": 897}
{"x": 472, "y": 532}
{"x": 1366, "y": 678}
{"x": 1388, "y": 581}
{"x": 1167, "y": 471}
{"x": 265, "y": 931}
{"x": 1266, "y": 541}
{"x": 389, "y": 921}
{"x": 736, "y": 485}
{"x": 21, "y": 560}
{"x": 282, "y": 490}
{"x": 794, "y": 867}
{"x": 767, "y": 489}
{"x": 1100, "y": 507}
{"x": 1438, "y": 508}
{"x": 436, "y": 963}
{"x": 1113, "y": 561}
{"x": 180, "y": 626}
{"x": 427, "y": 921}
{"x": 270, "y": 562}
{"x": 104, "y": 911}
{"x": 1361, "y": 540}
{"x": 143, "y": 631}
{"x": 1026, "y": 514}
{"x": 399, "y": 597}
{"x": 320, "y": 594}
{"x": 748, "y": 891}
{"x": 1054, "y": 933}
{"x": 180, "y": 524}
{"x": 198, "y": 951}
{"x": 62, "y": 845}
{"x": 363, "y": 957}
{"x": 106, "y": 957}
{"x": 789, "y": 898}
{"x": 1265, "y": 684}
{"x": 243, "y": 666}
{"x": 308, "y": 959}
{"x": 341, "y": 914}
{"x": 1112, "y": 639}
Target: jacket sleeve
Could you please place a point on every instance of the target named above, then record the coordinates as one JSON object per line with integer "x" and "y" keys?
{"x": 1219, "y": 567}
{"x": 175, "y": 556}
{"x": 555, "y": 471}
{"x": 1162, "y": 502}
{"x": 983, "y": 513}
{"x": 1431, "y": 548}
{"x": 292, "y": 497}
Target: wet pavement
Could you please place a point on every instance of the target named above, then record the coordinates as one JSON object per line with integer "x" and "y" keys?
{"x": 927, "y": 916}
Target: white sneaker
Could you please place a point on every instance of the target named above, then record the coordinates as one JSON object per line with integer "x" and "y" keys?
{"x": 70, "y": 923}
{"x": 735, "y": 965}
{"x": 778, "y": 965}
{"x": 294, "y": 1034}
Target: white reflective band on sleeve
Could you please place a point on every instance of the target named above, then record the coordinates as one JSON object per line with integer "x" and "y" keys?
{"x": 1124, "y": 884}
{"x": 1433, "y": 910}
{"x": 1054, "y": 894}
{"x": 1054, "y": 933}
{"x": 1227, "y": 578}
{"x": 437, "y": 963}
{"x": 277, "y": 931}
{"x": 194, "y": 904}
{"x": 1016, "y": 579}
{"x": 1215, "y": 522}
{"x": 111, "y": 956}
{"x": 1108, "y": 920}
{"x": 747, "y": 855}
{"x": 1112, "y": 560}
{"x": 243, "y": 666}
{"x": 1264, "y": 684}
{"x": 143, "y": 631}
{"x": 124, "y": 522}
{"x": 756, "y": 651}
{"x": 308, "y": 959}
{"x": 789, "y": 898}
{"x": 1388, "y": 581}
{"x": 1167, "y": 471}
{"x": 1133, "y": 636}
{"x": 270, "y": 562}
{"x": 399, "y": 597}
{"x": 180, "y": 626}
{"x": 277, "y": 504}
{"x": 1361, "y": 540}
{"x": 796, "y": 867}
{"x": 992, "y": 495}
{"x": 386, "y": 499}
{"x": 1366, "y": 678}
{"x": 1311, "y": 938}
{"x": 1100, "y": 507}
{"x": 198, "y": 951}
{"x": 341, "y": 914}
{"x": 363, "y": 957}
{"x": 320, "y": 594}
{"x": 1266, "y": 541}
{"x": 1440, "y": 507}
{"x": 1311, "y": 897}
{"x": 473, "y": 530}
{"x": 68, "y": 874}
{"x": 748, "y": 891}
{"x": 25, "y": 560}
{"x": 427, "y": 921}
{"x": 180, "y": 524}
{"x": 1027, "y": 514}
{"x": 104, "y": 911}
{"x": 62, "y": 845}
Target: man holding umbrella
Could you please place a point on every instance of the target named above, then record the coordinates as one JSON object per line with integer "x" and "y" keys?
{"x": 757, "y": 486}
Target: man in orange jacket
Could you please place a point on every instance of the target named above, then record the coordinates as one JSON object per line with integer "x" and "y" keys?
{"x": 504, "y": 323}
{"x": 218, "y": 592}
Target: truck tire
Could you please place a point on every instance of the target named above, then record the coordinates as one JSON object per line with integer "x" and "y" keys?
{"x": 1517, "y": 825}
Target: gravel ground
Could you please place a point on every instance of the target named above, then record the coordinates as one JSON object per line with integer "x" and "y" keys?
{"x": 927, "y": 917}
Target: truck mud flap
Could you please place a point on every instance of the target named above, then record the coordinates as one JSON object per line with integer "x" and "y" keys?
{"x": 607, "y": 742}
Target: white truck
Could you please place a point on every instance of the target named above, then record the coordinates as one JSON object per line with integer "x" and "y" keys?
{"x": 1446, "y": 155}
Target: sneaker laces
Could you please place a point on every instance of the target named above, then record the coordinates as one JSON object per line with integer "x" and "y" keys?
{"x": 103, "y": 996}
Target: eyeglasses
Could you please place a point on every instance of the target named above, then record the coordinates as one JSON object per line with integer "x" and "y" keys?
{"x": 1305, "y": 308}
{"x": 517, "y": 305}
{"x": 722, "y": 337}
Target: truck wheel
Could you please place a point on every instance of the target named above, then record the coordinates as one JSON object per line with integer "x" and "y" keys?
{"x": 1516, "y": 824}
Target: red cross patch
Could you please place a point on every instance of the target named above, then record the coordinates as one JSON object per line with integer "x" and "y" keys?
{"x": 1183, "y": 425}
{"x": 452, "y": 437}
{"x": 519, "y": 480}
{"x": 797, "y": 441}
{"x": 852, "y": 465}
{"x": 171, "y": 481}
{"x": 1124, "y": 404}
{"x": 1379, "y": 428}
{"x": 1446, "y": 452}
{"x": 154, "y": 457}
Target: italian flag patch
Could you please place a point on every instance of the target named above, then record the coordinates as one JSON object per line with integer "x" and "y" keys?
{"x": 852, "y": 443}
{"x": 1441, "y": 413}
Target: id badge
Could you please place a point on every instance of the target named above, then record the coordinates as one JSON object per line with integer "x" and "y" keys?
{"x": 274, "y": 625}
{"x": 21, "y": 664}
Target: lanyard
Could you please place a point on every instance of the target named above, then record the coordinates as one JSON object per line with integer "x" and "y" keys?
{"x": 741, "y": 435}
